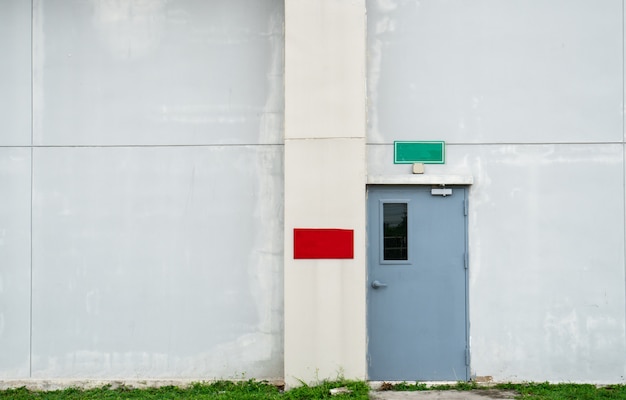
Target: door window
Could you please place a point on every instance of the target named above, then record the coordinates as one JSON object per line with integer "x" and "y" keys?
{"x": 395, "y": 232}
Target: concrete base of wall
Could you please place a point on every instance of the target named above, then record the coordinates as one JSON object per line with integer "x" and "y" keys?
{"x": 60, "y": 384}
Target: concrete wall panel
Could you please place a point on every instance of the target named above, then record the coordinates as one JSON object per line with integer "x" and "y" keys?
{"x": 546, "y": 244}
{"x": 158, "y": 72}
{"x": 326, "y": 42}
{"x": 15, "y": 263}
{"x": 325, "y": 332}
{"x": 325, "y": 299}
{"x": 547, "y": 263}
{"x": 516, "y": 88}
{"x": 495, "y": 71}
{"x": 157, "y": 262}
{"x": 15, "y": 73}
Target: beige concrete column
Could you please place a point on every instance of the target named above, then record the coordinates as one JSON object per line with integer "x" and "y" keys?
{"x": 325, "y": 326}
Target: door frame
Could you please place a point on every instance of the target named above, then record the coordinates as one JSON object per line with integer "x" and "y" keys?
{"x": 407, "y": 186}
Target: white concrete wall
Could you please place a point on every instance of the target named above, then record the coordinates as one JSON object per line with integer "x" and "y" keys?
{"x": 156, "y": 189}
{"x": 141, "y": 148}
{"x": 528, "y": 97}
{"x": 325, "y": 186}
{"x": 15, "y": 188}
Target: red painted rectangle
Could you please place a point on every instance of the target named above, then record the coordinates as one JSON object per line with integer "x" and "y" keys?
{"x": 323, "y": 243}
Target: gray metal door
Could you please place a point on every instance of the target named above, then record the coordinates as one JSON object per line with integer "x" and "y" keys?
{"x": 417, "y": 283}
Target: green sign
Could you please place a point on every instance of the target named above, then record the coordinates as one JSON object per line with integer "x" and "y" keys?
{"x": 419, "y": 152}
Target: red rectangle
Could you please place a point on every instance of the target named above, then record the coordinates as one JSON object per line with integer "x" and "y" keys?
{"x": 323, "y": 243}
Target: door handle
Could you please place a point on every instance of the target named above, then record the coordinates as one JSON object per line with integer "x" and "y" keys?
{"x": 377, "y": 284}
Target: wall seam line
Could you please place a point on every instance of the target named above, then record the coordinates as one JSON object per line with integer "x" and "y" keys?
{"x": 53, "y": 146}
{"x": 517, "y": 143}
{"x": 326, "y": 138}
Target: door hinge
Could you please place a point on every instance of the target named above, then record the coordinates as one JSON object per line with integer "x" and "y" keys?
{"x": 467, "y": 357}
{"x": 466, "y": 260}
{"x": 465, "y": 207}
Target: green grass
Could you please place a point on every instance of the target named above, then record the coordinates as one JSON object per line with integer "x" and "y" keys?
{"x": 221, "y": 390}
{"x": 359, "y": 390}
{"x": 418, "y": 386}
{"x": 227, "y": 390}
{"x": 565, "y": 391}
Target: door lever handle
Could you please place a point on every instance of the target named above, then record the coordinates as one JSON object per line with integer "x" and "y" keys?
{"x": 377, "y": 284}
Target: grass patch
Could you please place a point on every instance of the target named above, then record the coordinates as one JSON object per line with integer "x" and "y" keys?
{"x": 358, "y": 389}
{"x": 228, "y": 390}
{"x": 221, "y": 390}
{"x": 419, "y": 386}
{"x": 565, "y": 391}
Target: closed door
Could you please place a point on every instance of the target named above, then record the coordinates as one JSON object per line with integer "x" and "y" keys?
{"x": 417, "y": 283}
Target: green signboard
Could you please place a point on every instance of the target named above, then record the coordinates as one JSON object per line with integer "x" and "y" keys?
{"x": 419, "y": 152}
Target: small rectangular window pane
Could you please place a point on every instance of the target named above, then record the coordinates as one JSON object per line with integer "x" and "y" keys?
{"x": 395, "y": 231}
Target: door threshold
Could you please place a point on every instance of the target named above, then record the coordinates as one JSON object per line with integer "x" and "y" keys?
{"x": 376, "y": 385}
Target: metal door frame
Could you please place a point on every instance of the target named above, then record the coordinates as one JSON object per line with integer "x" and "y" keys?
{"x": 466, "y": 188}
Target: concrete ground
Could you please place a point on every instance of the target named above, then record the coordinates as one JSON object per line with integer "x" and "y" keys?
{"x": 478, "y": 394}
